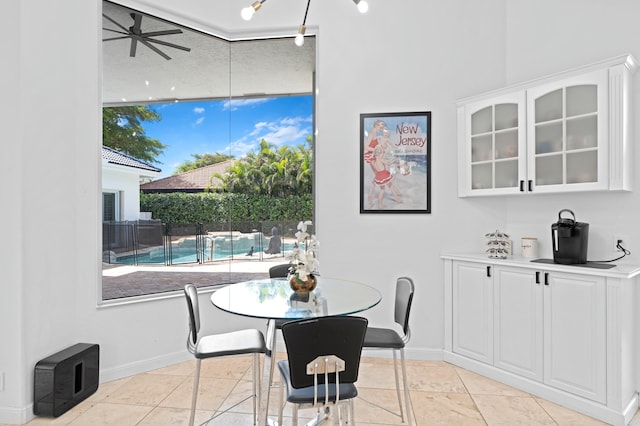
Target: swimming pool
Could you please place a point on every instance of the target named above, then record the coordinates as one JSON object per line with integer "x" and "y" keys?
{"x": 158, "y": 256}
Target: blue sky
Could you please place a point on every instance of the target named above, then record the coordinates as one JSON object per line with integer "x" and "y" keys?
{"x": 231, "y": 127}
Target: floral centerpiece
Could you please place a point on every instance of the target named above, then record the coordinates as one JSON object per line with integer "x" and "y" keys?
{"x": 303, "y": 259}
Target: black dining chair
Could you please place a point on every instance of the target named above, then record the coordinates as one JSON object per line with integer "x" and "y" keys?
{"x": 279, "y": 271}
{"x": 323, "y": 360}
{"x": 242, "y": 342}
{"x": 387, "y": 338}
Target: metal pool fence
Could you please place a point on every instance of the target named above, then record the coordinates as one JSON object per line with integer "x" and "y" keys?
{"x": 155, "y": 242}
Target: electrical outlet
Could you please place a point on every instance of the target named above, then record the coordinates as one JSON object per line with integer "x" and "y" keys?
{"x": 624, "y": 242}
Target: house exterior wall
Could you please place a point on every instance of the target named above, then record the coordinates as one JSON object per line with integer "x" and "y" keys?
{"x": 127, "y": 181}
{"x": 402, "y": 56}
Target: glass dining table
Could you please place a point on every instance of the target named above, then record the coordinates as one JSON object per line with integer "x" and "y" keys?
{"x": 273, "y": 300}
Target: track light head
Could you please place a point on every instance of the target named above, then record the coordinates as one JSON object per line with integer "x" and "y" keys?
{"x": 247, "y": 12}
{"x": 299, "y": 40}
{"x": 363, "y": 6}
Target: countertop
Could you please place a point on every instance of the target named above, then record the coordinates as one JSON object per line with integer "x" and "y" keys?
{"x": 621, "y": 270}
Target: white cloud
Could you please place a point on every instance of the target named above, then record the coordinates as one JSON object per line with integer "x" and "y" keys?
{"x": 199, "y": 120}
{"x": 286, "y": 131}
{"x": 198, "y": 110}
{"x": 236, "y": 104}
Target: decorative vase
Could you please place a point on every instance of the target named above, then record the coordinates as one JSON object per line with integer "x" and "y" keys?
{"x": 300, "y": 286}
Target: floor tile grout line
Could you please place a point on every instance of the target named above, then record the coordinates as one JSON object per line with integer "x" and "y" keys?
{"x": 470, "y": 395}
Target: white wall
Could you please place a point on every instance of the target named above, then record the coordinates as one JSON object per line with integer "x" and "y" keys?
{"x": 11, "y": 212}
{"x": 402, "y": 56}
{"x": 125, "y": 179}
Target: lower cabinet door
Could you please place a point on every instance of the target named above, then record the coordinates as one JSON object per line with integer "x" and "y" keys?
{"x": 575, "y": 334}
{"x": 472, "y": 325}
{"x": 518, "y": 325}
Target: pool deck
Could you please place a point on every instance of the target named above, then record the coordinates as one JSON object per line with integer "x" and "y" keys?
{"x": 120, "y": 281}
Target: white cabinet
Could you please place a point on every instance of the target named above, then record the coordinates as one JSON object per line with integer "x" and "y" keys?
{"x": 518, "y": 313}
{"x": 567, "y": 132}
{"x": 494, "y": 148}
{"x": 575, "y": 334}
{"x": 472, "y": 311}
{"x": 544, "y": 326}
{"x": 565, "y": 333}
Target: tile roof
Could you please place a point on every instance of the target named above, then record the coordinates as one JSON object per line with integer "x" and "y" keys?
{"x": 197, "y": 179}
{"x": 114, "y": 157}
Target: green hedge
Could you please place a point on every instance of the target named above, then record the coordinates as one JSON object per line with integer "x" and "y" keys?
{"x": 213, "y": 207}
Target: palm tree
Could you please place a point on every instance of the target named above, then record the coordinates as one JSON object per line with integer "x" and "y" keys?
{"x": 270, "y": 171}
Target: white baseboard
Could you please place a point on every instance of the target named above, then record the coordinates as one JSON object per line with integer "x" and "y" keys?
{"x": 15, "y": 416}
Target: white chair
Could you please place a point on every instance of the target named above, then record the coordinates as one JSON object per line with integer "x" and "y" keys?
{"x": 242, "y": 342}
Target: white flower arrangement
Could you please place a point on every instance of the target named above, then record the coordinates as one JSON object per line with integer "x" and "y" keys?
{"x": 303, "y": 259}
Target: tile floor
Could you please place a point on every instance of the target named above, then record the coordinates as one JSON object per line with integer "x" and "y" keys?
{"x": 440, "y": 393}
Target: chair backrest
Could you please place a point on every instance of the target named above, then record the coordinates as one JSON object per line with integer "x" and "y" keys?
{"x": 279, "y": 271}
{"x": 404, "y": 297}
{"x": 308, "y": 339}
{"x": 191, "y": 294}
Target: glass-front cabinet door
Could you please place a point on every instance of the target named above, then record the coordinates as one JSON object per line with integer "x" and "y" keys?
{"x": 567, "y": 134}
{"x": 495, "y": 145}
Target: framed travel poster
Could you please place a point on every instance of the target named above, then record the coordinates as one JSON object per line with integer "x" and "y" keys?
{"x": 395, "y": 162}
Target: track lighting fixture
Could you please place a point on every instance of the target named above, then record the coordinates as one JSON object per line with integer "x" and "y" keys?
{"x": 247, "y": 14}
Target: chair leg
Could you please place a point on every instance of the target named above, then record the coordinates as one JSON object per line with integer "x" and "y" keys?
{"x": 406, "y": 386}
{"x": 294, "y": 416}
{"x": 352, "y": 412}
{"x": 281, "y": 402}
{"x": 196, "y": 382}
{"x": 395, "y": 373}
{"x": 256, "y": 387}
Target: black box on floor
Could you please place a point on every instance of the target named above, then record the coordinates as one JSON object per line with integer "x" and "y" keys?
{"x": 64, "y": 379}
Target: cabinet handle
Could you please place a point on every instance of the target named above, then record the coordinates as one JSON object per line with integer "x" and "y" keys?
{"x": 530, "y": 184}
{"x": 521, "y": 186}
{"x": 546, "y": 278}
{"x": 489, "y": 271}
{"x": 537, "y": 277}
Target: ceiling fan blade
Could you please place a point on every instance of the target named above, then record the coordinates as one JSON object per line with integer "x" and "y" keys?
{"x": 115, "y": 31}
{"x": 116, "y": 38}
{"x": 159, "y": 33}
{"x": 116, "y": 23}
{"x": 132, "y": 49}
{"x": 155, "y": 49}
{"x": 164, "y": 43}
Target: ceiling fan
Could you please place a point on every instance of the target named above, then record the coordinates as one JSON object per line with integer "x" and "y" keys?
{"x": 136, "y": 35}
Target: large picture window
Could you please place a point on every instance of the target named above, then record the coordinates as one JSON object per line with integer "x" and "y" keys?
{"x": 173, "y": 98}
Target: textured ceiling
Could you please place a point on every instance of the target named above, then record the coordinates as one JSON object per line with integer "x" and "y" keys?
{"x": 213, "y": 69}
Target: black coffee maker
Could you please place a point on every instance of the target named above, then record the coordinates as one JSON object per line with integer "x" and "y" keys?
{"x": 570, "y": 240}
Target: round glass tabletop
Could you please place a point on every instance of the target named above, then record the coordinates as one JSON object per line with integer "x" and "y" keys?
{"x": 273, "y": 299}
